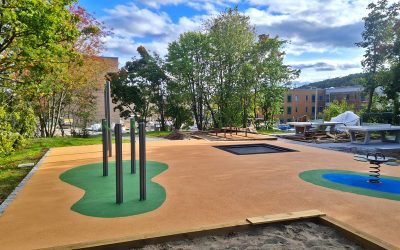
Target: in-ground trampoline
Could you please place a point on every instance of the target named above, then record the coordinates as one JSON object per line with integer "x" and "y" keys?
{"x": 259, "y": 148}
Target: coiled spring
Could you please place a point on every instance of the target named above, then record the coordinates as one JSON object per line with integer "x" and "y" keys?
{"x": 375, "y": 159}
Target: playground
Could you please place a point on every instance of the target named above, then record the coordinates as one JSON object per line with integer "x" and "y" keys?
{"x": 191, "y": 185}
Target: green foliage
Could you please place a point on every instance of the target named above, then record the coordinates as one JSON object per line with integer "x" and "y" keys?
{"x": 17, "y": 121}
{"x": 140, "y": 83}
{"x": 32, "y": 31}
{"x": 228, "y": 76}
{"x": 188, "y": 60}
{"x": 335, "y": 108}
{"x": 377, "y": 35}
{"x": 177, "y": 107}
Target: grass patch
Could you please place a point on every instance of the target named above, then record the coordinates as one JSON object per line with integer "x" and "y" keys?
{"x": 11, "y": 175}
{"x": 271, "y": 131}
{"x": 157, "y": 133}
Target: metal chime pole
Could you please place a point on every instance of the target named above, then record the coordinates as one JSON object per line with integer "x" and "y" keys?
{"x": 105, "y": 144}
{"x": 118, "y": 164}
{"x": 142, "y": 160}
{"x": 133, "y": 144}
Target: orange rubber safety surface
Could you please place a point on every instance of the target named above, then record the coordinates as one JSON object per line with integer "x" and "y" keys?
{"x": 205, "y": 186}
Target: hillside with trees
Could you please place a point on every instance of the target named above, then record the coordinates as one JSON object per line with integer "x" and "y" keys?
{"x": 349, "y": 80}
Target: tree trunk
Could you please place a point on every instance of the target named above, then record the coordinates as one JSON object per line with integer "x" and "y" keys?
{"x": 370, "y": 96}
{"x": 244, "y": 113}
{"x": 396, "y": 110}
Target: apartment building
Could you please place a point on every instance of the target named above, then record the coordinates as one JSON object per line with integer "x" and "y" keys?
{"x": 302, "y": 102}
{"x": 310, "y": 103}
{"x": 352, "y": 95}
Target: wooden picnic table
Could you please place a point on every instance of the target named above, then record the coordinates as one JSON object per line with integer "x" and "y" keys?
{"x": 235, "y": 130}
{"x": 368, "y": 130}
{"x": 303, "y": 128}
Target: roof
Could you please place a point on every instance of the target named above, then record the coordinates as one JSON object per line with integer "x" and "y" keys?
{"x": 344, "y": 89}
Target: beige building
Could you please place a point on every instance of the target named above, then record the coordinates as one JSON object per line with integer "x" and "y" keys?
{"x": 110, "y": 64}
{"x": 302, "y": 103}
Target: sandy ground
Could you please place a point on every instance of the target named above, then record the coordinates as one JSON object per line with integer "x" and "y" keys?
{"x": 297, "y": 235}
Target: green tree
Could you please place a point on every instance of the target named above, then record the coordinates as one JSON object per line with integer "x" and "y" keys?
{"x": 153, "y": 70}
{"x": 336, "y": 108}
{"x": 377, "y": 35}
{"x": 187, "y": 61}
{"x": 177, "y": 109}
{"x": 272, "y": 77}
{"x": 52, "y": 85}
{"x": 32, "y": 31}
{"x": 17, "y": 121}
{"x": 232, "y": 38}
{"x": 392, "y": 86}
{"x": 226, "y": 73}
{"x": 130, "y": 91}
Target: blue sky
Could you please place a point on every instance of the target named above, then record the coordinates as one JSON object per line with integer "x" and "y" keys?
{"x": 322, "y": 33}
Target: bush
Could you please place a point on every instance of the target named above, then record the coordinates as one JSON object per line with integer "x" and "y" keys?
{"x": 17, "y": 122}
{"x": 335, "y": 108}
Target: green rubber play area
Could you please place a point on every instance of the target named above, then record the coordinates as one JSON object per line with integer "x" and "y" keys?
{"x": 99, "y": 197}
{"x": 354, "y": 182}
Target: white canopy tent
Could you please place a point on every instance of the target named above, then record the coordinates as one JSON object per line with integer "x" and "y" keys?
{"x": 348, "y": 118}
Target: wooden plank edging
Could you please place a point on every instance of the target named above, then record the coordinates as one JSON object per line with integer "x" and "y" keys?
{"x": 365, "y": 240}
{"x": 285, "y": 217}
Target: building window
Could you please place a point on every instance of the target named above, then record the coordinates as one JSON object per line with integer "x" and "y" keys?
{"x": 289, "y": 110}
{"x": 306, "y": 97}
{"x": 296, "y": 98}
{"x": 306, "y": 109}
{"x": 313, "y": 98}
{"x": 296, "y": 109}
{"x": 313, "y": 110}
{"x": 321, "y": 108}
{"x": 321, "y": 98}
{"x": 289, "y": 98}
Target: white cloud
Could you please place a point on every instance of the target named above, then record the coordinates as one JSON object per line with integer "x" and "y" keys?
{"x": 317, "y": 70}
{"x": 210, "y": 6}
{"x": 133, "y": 26}
{"x": 130, "y": 20}
{"x": 326, "y": 12}
{"x": 317, "y": 26}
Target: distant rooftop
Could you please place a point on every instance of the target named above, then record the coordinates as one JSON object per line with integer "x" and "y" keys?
{"x": 334, "y": 89}
{"x": 344, "y": 89}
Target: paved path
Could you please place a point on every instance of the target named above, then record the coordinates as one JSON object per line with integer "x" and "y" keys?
{"x": 205, "y": 186}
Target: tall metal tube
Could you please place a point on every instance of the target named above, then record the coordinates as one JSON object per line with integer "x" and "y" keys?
{"x": 105, "y": 145}
{"x": 142, "y": 160}
{"x": 108, "y": 116}
{"x": 316, "y": 103}
{"x": 133, "y": 144}
{"x": 118, "y": 164}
